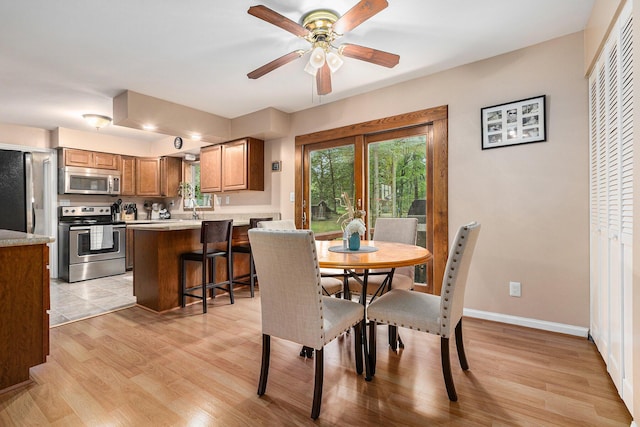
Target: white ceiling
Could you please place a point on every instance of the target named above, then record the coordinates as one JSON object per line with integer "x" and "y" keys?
{"x": 60, "y": 59}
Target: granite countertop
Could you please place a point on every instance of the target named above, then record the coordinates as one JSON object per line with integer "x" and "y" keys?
{"x": 191, "y": 224}
{"x": 18, "y": 238}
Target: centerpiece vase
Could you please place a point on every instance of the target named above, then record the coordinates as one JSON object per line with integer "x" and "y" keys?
{"x": 354, "y": 242}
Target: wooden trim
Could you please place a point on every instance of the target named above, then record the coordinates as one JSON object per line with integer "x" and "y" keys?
{"x": 440, "y": 209}
{"x": 379, "y": 125}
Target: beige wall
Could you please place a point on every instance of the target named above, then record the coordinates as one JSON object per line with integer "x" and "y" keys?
{"x": 26, "y": 136}
{"x": 532, "y": 200}
{"x": 603, "y": 16}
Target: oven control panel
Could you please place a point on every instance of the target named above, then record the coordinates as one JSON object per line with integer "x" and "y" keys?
{"x": 85, "y": 210}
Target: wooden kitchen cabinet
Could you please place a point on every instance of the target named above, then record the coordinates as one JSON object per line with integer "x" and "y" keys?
{"x": 148, "y": 176}
{"x": 211, "y": 169}
{"x": 233, "y": 166}
{"x": 128, "y": 176}
{"x": 158, "y": 177}
{"x": 90, "y": 159}
{"x": 24, "y": 322}
{"x": 170, "y": 176}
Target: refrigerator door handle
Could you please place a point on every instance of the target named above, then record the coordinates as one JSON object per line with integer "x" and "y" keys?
{"x": 30, "y": 209}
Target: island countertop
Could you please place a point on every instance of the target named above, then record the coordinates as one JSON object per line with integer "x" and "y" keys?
{"x": 18, "y": 238}
{"x": 173, "y": 225}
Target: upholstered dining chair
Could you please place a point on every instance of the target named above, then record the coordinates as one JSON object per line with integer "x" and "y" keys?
{"x": 211, "y": 234}
{"x": 331, "y": 285}
{"x": 398, "y": 230}
{"x": 293, "y": 306}
{"x": 439, "y": 315}
{"x": 245, "y": 248}
{"x": 379, "y": 281}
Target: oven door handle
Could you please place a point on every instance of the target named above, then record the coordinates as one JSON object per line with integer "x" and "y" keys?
{"x": 87, "y": 228}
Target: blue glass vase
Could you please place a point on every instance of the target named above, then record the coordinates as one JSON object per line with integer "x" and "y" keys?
{"x": 354, "y": 242}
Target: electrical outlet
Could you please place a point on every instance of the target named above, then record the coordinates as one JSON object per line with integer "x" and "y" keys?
{"x": 292, "y": 197}
{"x": 228, "y": 198}
{"x": 515, "y": 289}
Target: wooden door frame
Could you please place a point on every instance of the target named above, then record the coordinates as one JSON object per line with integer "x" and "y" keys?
{"x": 437, "y": 147}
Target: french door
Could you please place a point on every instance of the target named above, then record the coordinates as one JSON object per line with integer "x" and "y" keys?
{"x": 383, "y": 174}
{"x": 390, "y": 167}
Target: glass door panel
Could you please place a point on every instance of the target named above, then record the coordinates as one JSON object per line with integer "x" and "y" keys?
{"x": 331, "y": 173}
{"x": 397, "y": 184}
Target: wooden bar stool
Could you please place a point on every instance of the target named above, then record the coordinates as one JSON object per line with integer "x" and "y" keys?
{"x": 211, "y": 233}
{"x": 248, "y": 279}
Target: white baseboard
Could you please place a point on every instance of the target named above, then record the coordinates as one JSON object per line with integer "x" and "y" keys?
{"x": 530, "y": 323}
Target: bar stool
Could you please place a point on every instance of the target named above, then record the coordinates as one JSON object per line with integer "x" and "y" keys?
{"x": 248, "y": 279}
{"x": 211, "y": 232}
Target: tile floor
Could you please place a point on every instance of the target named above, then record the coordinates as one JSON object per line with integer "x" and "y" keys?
{"x": 79, "y": 300}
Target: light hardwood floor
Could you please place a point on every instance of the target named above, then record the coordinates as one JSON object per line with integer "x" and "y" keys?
{"x": 137, "y": 368}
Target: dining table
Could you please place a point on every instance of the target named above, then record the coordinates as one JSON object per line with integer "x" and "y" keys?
{"x": 372, "y": 255}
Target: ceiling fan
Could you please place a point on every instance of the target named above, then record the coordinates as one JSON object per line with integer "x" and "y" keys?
{"x": 321, "y": 28}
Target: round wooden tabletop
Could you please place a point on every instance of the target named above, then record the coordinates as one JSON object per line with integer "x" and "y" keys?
{"x": 388, "y": 255}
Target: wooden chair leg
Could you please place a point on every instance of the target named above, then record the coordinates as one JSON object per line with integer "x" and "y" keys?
{"x": 460, "y": 346}
{"x": 393, "y": 337}
{"x": 317, "y": 388}
{"x": 230, "y": 275}
{"x": 183, "y": 281}
{"x": 372, "y": 347}
{"x": 357, "y": 330}
{"x": 446, "y": 369}
{"x": 204, "y": 285}
{"x": 264, "y": 369}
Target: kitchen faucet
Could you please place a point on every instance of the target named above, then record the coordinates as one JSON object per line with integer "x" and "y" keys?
{"x": 194, "y": 205}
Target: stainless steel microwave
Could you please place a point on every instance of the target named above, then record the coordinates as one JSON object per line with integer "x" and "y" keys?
{"x": 78, "y": 180}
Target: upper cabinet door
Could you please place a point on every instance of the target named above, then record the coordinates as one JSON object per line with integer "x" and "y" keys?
{"x": 128, "y": 177}
{"x": 211, "y": 169}
{"x": 234, "y": 166}
{"x": 148, "y": 176}
{"x": 105, "y": 161}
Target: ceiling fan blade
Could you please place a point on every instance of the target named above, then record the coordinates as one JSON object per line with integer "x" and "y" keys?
{"x": 323, "y": 80}
{"x": 359, "y": 13}
{"x": 266, "y": 68}
{"x": 368, "y": 54}
{"x": 278, "y": 20}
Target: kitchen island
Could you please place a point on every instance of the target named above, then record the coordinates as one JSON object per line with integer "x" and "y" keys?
{"x": 24, "y": 291}
{"x": 157, "y": 249}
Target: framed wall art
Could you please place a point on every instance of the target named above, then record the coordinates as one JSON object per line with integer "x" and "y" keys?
{"x": 519, "y": 122}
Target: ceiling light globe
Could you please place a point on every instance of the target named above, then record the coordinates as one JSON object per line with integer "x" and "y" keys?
{"x": 97, "y": 120}
{"x": 317, "y": 57}
{"x": 310, "y": 69}
{"x": 334, "y": 61}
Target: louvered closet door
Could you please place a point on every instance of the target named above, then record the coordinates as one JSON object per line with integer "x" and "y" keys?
{"x": 611, "y": 204}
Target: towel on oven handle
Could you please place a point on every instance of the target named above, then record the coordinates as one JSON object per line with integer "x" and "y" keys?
{"x": 100, "y": 237}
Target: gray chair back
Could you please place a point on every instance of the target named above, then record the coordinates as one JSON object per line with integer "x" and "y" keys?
{"x": 454, "y": 281}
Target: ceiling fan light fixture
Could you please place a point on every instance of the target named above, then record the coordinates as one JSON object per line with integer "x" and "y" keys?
{"x": 334, "y": 61}
{"x": 317, "y": 57}
{"x": 310, "y": 69}
{"x": 97, "y": 120}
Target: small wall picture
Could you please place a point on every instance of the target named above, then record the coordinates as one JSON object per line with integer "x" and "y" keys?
{"x": 276, "y": 166}
{"x": 519, "y": 122}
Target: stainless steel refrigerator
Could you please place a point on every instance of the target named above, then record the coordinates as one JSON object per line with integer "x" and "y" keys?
{"x": 22, "y": 191}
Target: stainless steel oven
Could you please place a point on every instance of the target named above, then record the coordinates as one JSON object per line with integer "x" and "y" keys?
{"x": 91, "y": 245}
